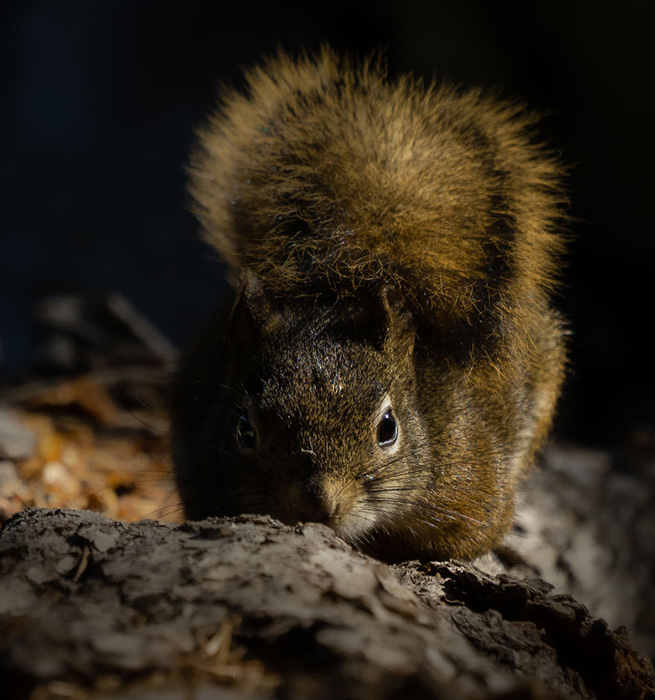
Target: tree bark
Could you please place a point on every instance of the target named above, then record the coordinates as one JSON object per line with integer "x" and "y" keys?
{"x": 88, "y": 605}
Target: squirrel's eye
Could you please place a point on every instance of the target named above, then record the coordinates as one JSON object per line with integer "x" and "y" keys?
{"x": 387, "y": 429}
{"x": 245, "y": 433}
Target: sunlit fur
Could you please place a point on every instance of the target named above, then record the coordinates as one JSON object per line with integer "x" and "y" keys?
{"x": 382, "y": 237}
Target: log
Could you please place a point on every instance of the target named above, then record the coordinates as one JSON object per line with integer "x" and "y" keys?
{"x": 258, "y": 609}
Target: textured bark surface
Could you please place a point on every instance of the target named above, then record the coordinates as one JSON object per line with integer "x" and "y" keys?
{"x": 585, "y": 522}
{"x": 156, "y": 610}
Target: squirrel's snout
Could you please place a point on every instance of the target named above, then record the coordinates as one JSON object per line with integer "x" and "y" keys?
{"x": 307, "y": 502}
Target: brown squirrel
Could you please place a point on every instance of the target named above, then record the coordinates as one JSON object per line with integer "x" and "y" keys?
{"x": 388, "y": 362}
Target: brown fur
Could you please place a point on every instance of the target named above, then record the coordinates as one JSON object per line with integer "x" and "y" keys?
{"x": 385, "y": 239}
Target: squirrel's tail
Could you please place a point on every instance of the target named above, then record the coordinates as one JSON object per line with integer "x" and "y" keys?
{"x": 324, "y": 175}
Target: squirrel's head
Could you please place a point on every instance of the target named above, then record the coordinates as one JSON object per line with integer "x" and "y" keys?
{"x": 321, "y": 399}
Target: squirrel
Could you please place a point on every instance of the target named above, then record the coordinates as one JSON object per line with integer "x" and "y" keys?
{"x": 388, "y": 360}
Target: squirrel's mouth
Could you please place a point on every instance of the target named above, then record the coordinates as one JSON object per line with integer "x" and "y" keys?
{"x": 352, "y": 527}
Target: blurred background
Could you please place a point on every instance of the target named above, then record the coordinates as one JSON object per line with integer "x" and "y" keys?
{"x": 99, "y": 100}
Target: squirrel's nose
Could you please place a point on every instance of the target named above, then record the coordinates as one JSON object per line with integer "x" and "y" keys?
{"x": 314, "y": 509}
{"x": 307, "y": 502}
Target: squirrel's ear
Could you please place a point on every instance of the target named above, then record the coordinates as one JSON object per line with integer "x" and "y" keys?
{"x": 253, "y": 311}
{"x": 400, "y": 331}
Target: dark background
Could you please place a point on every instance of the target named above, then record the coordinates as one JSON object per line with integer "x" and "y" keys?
{"x": 99, "y": 99}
